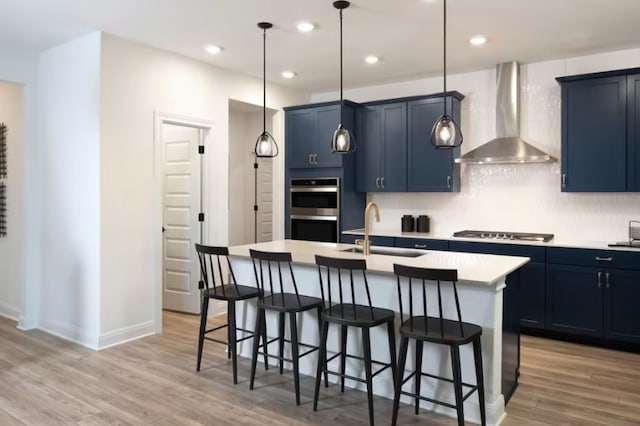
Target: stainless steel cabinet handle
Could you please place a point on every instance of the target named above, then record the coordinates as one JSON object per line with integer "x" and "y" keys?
{"x": 377, "y": 182}
{"x": 310, "y": 155}
{"x": 599, "y": 279}
{"x": 448, "y": 181}
{"x": 564, "y": 180}
{"x": 606, "y": 280}
{"x": 382, "y": 182}
{"x": 315, "y": 158}
{"x": 420, "y": 246}
{"x": 604, "y": 259}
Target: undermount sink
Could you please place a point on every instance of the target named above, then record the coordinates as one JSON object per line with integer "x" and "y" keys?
{"x": 387, "y": 251}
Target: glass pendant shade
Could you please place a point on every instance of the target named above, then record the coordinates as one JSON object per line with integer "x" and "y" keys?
{"x": 446, "y": 133}
{"x": 266, "y": 146}
{"x": 341, "y": 142}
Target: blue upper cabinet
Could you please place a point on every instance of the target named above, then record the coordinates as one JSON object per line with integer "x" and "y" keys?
{"x": 600, "y": 132}
{"x": 381, "y": 156}
{"x": 430, "y": 169}
{"x": 308, "y": 133}
{"x": 633, "y": 135}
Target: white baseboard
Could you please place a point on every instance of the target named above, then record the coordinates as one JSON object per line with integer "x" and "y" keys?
{"x": 126, "y": 334}
{"x": 9, "y": 311}
{"x": 71, "y": 333}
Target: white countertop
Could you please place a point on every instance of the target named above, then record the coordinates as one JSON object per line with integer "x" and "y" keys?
{"x": 476, "y": 268}
{"x": 598, "y": 245}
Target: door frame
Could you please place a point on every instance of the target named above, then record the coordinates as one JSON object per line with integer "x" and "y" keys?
{"x": 160, "y": 118}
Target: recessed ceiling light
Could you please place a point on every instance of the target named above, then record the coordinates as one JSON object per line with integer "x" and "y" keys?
{"x": 371, "y": 59}
{"x": 305, "y": 27}
{"x": 478, "y": 40}
{"x": 288, "y": 74}
{"x": 213, "y": 49}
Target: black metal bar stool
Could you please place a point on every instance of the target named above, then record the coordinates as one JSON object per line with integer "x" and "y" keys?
{"x": 213, "y": 286}
{"x": 268, "y": 268}
{"x": 350, "y": 314}
{"x": 423, "y": 328}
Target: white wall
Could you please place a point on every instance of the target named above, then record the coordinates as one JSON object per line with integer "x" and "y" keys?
{"x": 12, "y": 273}
{"x": 523, "y": 197}
{"x": 137, "y": 80}
{"x": 22, "y": 68}
{"x": 69, "y": 138}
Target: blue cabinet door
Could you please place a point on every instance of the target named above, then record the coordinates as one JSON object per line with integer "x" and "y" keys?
{"x": 394, "y": 154}
{"x": 369, "y": 146}
{"x": 575, "y": 299}
{"x": 328, "y": 119}
{"x": 633, "y": 136}
{"x": 594, "y": 135}
{"x": 532, "y": 295}
{"x": 301, "y": 128}
{"x": 622, "y": 305}
{"x": 430, "y": 169}
{"x": 382, "y": 148}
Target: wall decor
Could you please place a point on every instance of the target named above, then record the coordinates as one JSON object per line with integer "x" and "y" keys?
{"x": 3, "y": 178}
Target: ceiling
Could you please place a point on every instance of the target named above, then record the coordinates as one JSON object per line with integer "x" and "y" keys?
{"x": 406, "y": 34}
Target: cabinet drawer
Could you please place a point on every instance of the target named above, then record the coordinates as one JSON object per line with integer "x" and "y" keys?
{"x": 422, "y": 243}
{"x": 590, "y": 257}
{"x": 536, "y": 253}
{"x": 376, "y": 240}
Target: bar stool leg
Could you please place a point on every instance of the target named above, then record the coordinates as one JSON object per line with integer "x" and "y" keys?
{"x": 322, "y": 362}
{"x": 281, "y": 320}
{"x": 343, "y": 354}
{"x": 232, "y": 347}
{"x": 294, "y": 354}
{"x": 404, "y": 345}
{"x": 477, "y": 355}
{"x": 391, "y": 332}
{"x": 229, "y": 330}
{"x": 457, "y": 383}
{"x": 265, "y": 347}
{"x": 418, "y": 377}
{"x": 203, "y": 329}
{"x": 256, "y": 344}
{"x": 366, "y": 348}
{"x": 326, "y": 374}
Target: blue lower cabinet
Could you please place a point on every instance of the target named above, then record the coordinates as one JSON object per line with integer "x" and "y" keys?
{"x": 575, "y": 300}
{"x": 532, "y": 295}
{"x": 422, "y": 243}
{"x": 349, "y": 238}
{"x": 621, "y": 305}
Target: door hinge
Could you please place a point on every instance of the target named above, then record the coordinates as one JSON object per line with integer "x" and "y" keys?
{"x": 200, "y": 217}
{"x": 255, "y": 165}
{"x": 255, "y": 207}
{"x": 200, "y": 149}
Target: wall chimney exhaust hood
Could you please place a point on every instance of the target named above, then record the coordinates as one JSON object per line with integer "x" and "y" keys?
{"x": 507, "y": 147}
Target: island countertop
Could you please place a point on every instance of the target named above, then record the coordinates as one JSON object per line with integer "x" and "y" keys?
{"x": 473, "y": 268}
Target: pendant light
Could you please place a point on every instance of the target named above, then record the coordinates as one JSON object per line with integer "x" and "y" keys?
{"x": 342, "y": 142}
{"x": 445, "y": 133}
{"x": 266, "y": 146}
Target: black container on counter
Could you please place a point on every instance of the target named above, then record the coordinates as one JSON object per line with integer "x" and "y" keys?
{"x": 423, "y": 223}
{"x": 408, "y": 223}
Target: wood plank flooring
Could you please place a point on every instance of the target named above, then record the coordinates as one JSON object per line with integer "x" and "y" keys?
{"x": 45, "y": 380}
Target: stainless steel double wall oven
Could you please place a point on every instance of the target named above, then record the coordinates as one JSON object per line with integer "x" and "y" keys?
{"x": 314, "y": 209}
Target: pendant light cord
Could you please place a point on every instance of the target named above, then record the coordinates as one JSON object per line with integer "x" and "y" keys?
{"x": 341, "y": 96}
{"x": 264, "y": 81}
{"x": 444, "y": 93}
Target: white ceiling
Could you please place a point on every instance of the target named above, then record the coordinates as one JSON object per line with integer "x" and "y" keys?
{"x": 406, "y": 34}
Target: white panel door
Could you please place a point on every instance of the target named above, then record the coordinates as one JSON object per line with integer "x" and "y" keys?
{"x": 265, "y": 199}
{"x": 181, "y": 205}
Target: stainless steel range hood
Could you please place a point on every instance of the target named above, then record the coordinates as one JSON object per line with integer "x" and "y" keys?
{"x": 507, "y": 147}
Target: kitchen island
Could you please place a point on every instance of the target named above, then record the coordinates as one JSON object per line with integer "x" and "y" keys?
{"x": 481, "y": 288}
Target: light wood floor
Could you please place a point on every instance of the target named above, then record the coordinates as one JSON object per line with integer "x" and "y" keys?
{"x": 45, "y": 380}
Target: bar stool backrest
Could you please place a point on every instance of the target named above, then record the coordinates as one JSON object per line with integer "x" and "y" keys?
{"x": 344, "y": 271}
{"x": 407, "y": 275}
{"x": 268, "y": 268}
{"x": 213, "y": 261}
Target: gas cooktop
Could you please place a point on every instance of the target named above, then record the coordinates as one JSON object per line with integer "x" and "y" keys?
{"x": 500, "y": 235}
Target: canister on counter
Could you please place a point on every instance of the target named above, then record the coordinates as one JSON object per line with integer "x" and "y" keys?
{"x": 408, "y": 223}
{"x": 423, "y": 223}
